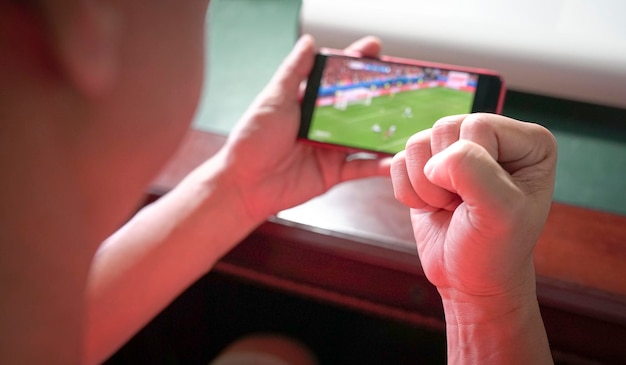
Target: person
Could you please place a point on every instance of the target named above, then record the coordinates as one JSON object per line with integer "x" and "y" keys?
{"x": 479, "y": 187}
{"x": 408, "y": 113}
{"x": 95, "y": 99}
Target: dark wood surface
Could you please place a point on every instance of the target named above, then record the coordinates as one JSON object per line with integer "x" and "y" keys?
{"x": 354, "y": 246}
{"x": 580, "y": 246}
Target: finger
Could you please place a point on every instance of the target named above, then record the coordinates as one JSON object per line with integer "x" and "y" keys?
{"x": 513, "y": 143}
{"x": 445, "y": 132}
{"x": 418, "y": 152}
{"x": 362, "y": 168}
{"x": 485, "y": 187}
{"x": 369, "y": 46}
{"x": 402, "y": 187}
{"x": 283, "y": 88}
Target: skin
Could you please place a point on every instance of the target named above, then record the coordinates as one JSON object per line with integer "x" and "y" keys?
{"x": 94, "y": 101}
{"x": 479, "y": 187}
{"x": 89, "y": 121}
{"x": 142, "y": 267}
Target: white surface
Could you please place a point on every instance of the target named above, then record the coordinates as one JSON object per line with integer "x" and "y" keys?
{"x": 574, "y": 49}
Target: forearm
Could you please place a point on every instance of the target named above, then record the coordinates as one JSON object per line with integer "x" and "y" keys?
{"x": 160, "y": 252}
{"x": 484, "y": 330}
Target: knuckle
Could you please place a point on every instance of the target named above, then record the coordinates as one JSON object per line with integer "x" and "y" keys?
{"x": 478, "y": 123}
{"x": 416, "y": 145}
{"x": 446, "y": 126}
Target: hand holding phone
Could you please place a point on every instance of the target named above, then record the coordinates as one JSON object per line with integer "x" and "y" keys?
{"x": 376, "y": 104}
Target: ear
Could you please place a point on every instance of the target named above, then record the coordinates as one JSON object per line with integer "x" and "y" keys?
{"x": 86, "y": 41}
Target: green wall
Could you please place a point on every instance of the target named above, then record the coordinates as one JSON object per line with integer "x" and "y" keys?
{"x": 248, "y": 39}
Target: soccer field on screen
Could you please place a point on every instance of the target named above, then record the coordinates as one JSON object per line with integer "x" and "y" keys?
{"x": 387, "y": 123}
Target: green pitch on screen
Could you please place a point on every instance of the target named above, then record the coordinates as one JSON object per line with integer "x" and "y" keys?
{"x": 390, "y": 120}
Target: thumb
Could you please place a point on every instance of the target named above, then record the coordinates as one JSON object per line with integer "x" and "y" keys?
{"x": 283, "y": 88}
{"x": 277, "y": 106}
{"x": 491, "y": 196}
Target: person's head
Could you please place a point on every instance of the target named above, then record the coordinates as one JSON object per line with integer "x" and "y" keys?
{"x": 106, "y": 88}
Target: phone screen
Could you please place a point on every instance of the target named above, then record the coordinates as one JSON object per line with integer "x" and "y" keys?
{"x": 374, "y": 105}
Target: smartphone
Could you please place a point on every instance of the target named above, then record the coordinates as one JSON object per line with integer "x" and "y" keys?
{"x": 376, "y": 104}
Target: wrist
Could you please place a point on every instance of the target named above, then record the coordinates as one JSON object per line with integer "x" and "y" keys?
{"x": 495, "y": 329}
{"x": 217, "y": 180}
{"x": 468, "y": 309}
{"x": 212, "y": 207}
{"x": 494, "y": 297}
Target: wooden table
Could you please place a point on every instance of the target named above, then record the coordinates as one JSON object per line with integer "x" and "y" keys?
{"x": 354, "y": 247}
